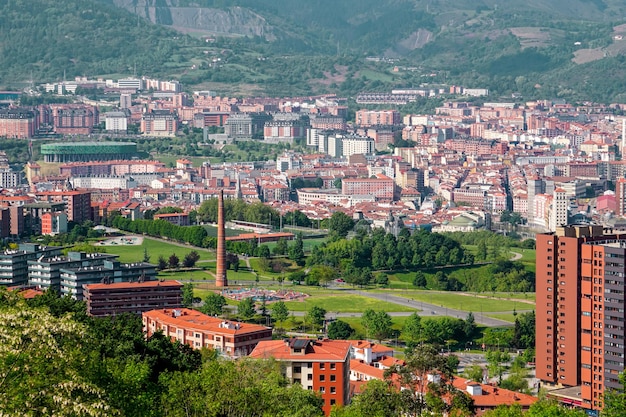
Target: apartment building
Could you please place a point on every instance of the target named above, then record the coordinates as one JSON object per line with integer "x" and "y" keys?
{"x": 366, "y": 118}
{"x": 580, "y": 310}
{"x": 74, "y": 278}
{"x": 132, "y": 297}
{"x": 198, "y": 330}
{"x": 319, "y": 365}
{"x": 18, "y": 123}
{"x": 159, "y": 123}
{"x": 382, "y": 187}
{"x": 14, "y": 262}
{"x": 45, "y": 271}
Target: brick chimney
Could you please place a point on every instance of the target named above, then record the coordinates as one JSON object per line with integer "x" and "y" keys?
{"x": 220, "y": 269}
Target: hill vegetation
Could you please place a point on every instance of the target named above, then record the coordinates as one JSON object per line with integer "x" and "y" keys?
{"x": 559, "y": 49}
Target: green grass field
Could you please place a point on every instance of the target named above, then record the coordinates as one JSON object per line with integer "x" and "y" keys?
{"x": 156, "y": 248}
{"x": 470, "y": 302}
{"x": 345, "y": 304}
{"x": 355, "y": 323}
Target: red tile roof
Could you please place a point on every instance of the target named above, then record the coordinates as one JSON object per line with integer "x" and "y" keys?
{"x": 322, "y": 350}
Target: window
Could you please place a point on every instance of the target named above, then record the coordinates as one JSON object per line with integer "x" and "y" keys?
{"x": 322, "y": 390}
{"x": 333, "y": 390}
{"x": 309, "y": 377}
{"x": 333, "y": 378}
{"x": 332, "y": 402}
{"x": 322, "y": 378}
{"x": 332, "y": 366}
{"x": 322, "y": 365}
{"x": 297, "y": 370}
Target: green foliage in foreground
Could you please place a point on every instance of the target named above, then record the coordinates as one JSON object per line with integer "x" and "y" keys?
{"x": 58, "y": 361}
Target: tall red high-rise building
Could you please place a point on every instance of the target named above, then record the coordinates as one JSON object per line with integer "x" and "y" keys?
{"x": 580, "y": 310}
{"x": 220, "y": 269}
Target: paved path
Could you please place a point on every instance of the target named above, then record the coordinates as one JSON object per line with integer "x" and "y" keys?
{"x": 516, "y": 256}
{"x": 435, "y": 310}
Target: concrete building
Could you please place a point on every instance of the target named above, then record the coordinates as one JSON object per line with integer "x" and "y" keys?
{"x": 88, "y": 151}
{"x": 178, "y": 219}
{"x": 74, "y": 119}
{"x": 132, "y": 297}
{"x": 73, "y": 279}
{"x": 116, "y": 121}
{"x": 232, "y": 339}
{"x": 53, "y": 223}
{"x": 357, "y": 145}
{"x": 160, "y": 123}
{"x": 381, "y": 187}
{"x": 18, "y": 123}
{"x": 45, "y": 271}
{"x": 366, "y": 118}
{"x": 580, "y": 310}
{"x": 14, "y": 262}
{"x": 319, "y": 365}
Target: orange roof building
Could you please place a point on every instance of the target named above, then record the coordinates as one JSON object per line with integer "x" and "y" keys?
{"x": 319, "y": 365}
{"x": 198, "y": 330}
{"x": 487, "y": 397}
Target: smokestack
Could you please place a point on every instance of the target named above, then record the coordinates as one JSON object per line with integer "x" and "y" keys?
{"x": 220, "y": 269}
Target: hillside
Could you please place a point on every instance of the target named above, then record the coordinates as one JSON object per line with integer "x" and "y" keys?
{"x": 536, "y": 49}
{"x": 45, "y": 39}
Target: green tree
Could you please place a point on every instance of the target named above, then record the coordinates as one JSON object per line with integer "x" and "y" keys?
{"x": 323, "y": 274}
{"x": 377, "y": 324}
{"x": 173, "y": 261}
{"x": 190, "y": 259}
{"x": 263, "y": 251}
{"x": 495, "y": 363}
{"x": 615, "y": 400}
{"x": 41, "y": 361}
{"x": 419, "y": 280}
{"x": 412, "y": 332}
{"x": 378, "y": 399}
{"x": 339, "y": 329}
{"x": 296, "y": 250}
{"x": 281, "y": 247}
{"x": 213, "y": 304}
{"x": 146, "y": 255}
{"x": 187, "y": 295}
{"x": 161, "y": 263}
{"x": 340, "y": 224}
{"x": 316, "y": 316}
{"x": 474, "y": 372}
{"x": 280, "y": 312}
{"x": 470, "y": 326}
{"x": 246, "y": 309}
{"x": 481, "y": 252}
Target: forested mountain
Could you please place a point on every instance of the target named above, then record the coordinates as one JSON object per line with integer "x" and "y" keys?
{"x": 44, "y": 39}
{"x": 573, "y": 49}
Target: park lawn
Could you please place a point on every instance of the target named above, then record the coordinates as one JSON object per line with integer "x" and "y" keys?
{"x": 307, "y": 244}
{"x": 212, "y": 231}
{"x": 359, "y": 330}
{"x": 255, "y": 264}
{"x": 459, "y": 301}
{"x": 345, "y": 304}
{"x": 156, "y": 248}
{"x": 195, "y": 275}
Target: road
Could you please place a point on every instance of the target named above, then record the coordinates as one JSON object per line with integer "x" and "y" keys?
{"x": 427, "y": 309}
{"x": 434, "y": 310}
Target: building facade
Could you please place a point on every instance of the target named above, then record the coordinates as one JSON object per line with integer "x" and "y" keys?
{"x": 319, "y": 365}
{"x": 132, "y": 297}
{"x": 580, "y": 310}
{"x": 198, "y": 330}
